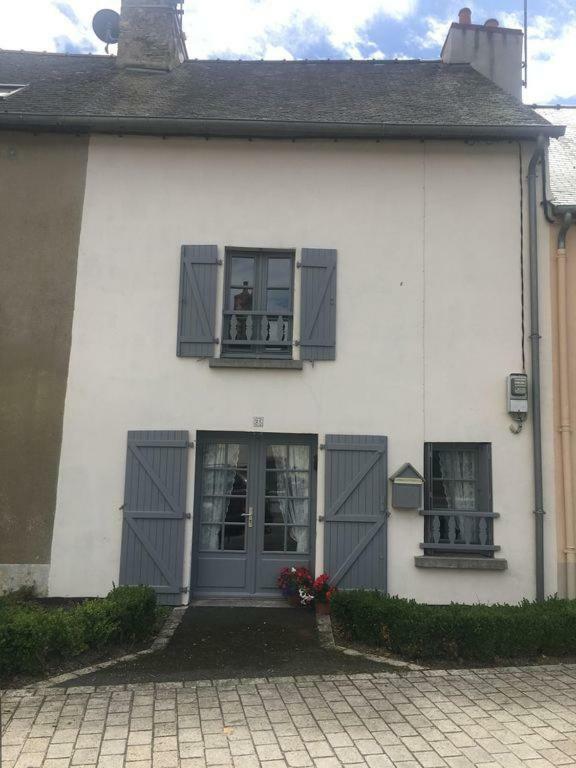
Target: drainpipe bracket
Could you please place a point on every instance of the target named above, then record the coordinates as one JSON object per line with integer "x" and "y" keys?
{"x": 540, "y": 512}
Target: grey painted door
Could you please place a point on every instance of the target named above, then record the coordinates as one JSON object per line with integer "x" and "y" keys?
{"x": 154, "y": 512}
{"x": 356, "y": 514}
{"x": 253, "y": 511}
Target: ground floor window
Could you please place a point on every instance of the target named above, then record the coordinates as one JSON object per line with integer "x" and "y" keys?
{"x": 458, "y": 514}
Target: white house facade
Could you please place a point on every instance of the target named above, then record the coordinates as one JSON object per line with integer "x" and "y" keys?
{"x": 291, "y": 339}
{"x": 428, "y": 325}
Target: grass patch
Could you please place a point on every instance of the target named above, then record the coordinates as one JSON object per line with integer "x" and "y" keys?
{"x": 456, "y": 632}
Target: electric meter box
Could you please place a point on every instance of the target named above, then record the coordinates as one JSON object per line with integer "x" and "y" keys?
{"x": 517, "y": 394}
{"x": 407, "y": 488}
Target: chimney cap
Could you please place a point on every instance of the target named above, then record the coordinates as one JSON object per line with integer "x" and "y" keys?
{"x": 492, "y": 23}
{"x": 465, "y": 16}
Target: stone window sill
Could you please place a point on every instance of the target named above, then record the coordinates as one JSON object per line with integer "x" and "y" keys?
{"x": 254, "y": 362}
{"x": 461, "y": 563}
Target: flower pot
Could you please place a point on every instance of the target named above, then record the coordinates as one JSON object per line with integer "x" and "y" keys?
{"x": 323, "y": 609}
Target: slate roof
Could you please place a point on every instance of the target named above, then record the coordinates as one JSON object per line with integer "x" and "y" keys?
{"x": 562, "y": 157}
{"x": 400, "y": 98}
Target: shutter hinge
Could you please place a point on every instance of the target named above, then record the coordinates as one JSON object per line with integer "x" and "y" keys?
{"x": 216, "y": 341}
{"x": 184, "y": 589}
{"x": 298, "y": 264}
{"x": 188, "y": 515}
{"x": 219, "y": 262}
{"x": 296, "y": 342}
{"x": 322, "y": 446}
{"x": 191, "y": 445}
{"x": 321, "y": 518}
{"x": 121, "y": 509}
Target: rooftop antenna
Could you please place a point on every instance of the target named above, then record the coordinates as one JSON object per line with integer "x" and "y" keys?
{"x": 525, "y": 62}
{"x": 106, "y": 26}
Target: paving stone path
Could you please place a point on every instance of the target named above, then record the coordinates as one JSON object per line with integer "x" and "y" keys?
{"x": 487, "y": 718}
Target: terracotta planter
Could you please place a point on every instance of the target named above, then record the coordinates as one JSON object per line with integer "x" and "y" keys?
{"x": 323, "y": 609}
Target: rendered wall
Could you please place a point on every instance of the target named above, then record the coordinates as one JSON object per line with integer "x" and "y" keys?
{"x": 41, "y": 195}
{"x": 428, "y": 327}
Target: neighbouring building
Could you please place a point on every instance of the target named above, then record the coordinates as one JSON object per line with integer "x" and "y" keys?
{"x": 294, "y": 293}
{"x": 561, "y": 213}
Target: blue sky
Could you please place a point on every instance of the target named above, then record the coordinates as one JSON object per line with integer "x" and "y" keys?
{"x": 287, "y": 29}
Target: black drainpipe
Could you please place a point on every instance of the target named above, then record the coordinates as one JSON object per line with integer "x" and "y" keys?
{"x": 535, "y": 365}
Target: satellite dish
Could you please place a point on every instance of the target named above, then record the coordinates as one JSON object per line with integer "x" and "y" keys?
{"x": 106, "y": 25}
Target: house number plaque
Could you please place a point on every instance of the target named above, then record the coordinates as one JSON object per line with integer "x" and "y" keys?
{"x": 258, "y": 422}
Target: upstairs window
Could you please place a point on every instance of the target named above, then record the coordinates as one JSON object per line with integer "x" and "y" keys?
{"x": 458, "y": 500}
{"x": 258, "y": 303}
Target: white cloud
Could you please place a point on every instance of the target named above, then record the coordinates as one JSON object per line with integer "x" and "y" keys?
{"x": 551, "y": 52}
{"x": 253, "y": 28}
{"x": 35, "y": 24}
{"x": 245, "y": 25}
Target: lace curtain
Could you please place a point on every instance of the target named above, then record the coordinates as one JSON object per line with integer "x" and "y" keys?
{"x": 295, "y": 513}
{"x": 218, "y": 482}
{"x": 459, "y": 478}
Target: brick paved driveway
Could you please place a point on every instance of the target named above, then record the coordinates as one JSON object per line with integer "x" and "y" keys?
{"x": 486, "y": 718}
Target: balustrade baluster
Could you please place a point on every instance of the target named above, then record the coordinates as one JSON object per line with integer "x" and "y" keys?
{"x": 436, "y": 529}
{"x": 452, "y": 529}
{"x": 233, "y": 327}
{"x": 249, "y": 327}
{"x": 483, "y": 530}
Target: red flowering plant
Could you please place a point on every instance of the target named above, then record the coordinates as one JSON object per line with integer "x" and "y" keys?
{"x": 294, "y": 581}
{"x": 322, "y": 589}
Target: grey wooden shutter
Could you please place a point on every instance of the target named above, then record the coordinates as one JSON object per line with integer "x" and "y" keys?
{"x": 355, "y": 527}
{"x": 197, "y": 304}
{"x": 155, "y": 512}
{"x": 318, "y": 304}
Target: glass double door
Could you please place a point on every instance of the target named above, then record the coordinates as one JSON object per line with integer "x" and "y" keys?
{"x": 253, "y": 510}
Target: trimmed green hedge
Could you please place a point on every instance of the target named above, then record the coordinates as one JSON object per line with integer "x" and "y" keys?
{"x": 474, "y": 632}
{"x": 32, "y": 635}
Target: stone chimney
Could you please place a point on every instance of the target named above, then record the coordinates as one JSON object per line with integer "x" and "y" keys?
{"x": 494, "y": 51}
{"x": 151, "y": 35}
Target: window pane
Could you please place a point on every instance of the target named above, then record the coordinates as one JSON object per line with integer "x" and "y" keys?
{"x": 213, "y": 510}
{"x": 274, "y": 538}
{"x": 233, "y": 537}
{"x": 241, "y": 299}
{"x": 242, "y": 271}
{"x": 276, "y": 456}
{"x": 288, "y": 457}
{"x": 242, "y": 457}
{"x": 439, "y": 495}
{"x": 465, "y": 465}
{"x": 225, "y": 455}
{"x": 215, "y": 455}
{"x": 240, "y": 483}
{"x": 464, "y": 494}
{"x": 235, "y": 508}
{"x": 279, "y": 273}
{"x": 287, "y": 484}
{"x": 278, "y": 300}
{"x": 274, "y": 512}
{"x": 297, "y": 539}
{"x": 210, "y": 537}
{"x": 218, "y": 482}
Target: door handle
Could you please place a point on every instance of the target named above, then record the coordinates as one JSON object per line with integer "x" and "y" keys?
{"x": 250, "y": 516}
